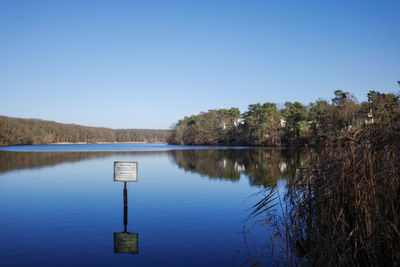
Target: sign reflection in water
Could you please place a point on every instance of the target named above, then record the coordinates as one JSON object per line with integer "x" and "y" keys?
{"x": 125, "y": 242}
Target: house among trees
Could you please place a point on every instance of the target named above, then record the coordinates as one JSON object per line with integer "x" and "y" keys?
{"x": 238, "y": 122}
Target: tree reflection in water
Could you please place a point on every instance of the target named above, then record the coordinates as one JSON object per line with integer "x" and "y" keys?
{"x": 263, "y": 167}
{"x": 11, "y": 160}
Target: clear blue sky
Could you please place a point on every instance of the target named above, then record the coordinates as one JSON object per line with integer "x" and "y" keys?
{"x": 146, "y": 64}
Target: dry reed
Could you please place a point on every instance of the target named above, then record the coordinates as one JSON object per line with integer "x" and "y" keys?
{"x": 345, "y": 210}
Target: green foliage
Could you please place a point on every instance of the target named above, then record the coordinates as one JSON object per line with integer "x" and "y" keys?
{"x": 294, "y": 114}
{"x": 317, "y": 115}
{"x": 262, "y": 124}
{"x": 384, "y": 107}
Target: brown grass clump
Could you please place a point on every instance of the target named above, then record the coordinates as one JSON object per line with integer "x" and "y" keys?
{"x": 345, "y": 211}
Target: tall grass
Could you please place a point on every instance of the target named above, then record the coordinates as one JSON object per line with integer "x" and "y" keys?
{"x": 345, "y": 211}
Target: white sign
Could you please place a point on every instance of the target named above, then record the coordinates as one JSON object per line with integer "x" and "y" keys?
{"x": 125, "y": 171}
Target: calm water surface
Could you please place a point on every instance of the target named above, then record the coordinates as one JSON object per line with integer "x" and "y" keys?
{"x": 59, "y": 205}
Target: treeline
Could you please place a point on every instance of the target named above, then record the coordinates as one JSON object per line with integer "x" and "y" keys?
{"x": 15, "y": 131}
{"x": 267, "y": 125}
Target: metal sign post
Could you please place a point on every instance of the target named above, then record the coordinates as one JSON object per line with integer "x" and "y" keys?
{"x": 125, "y": 207}
{"x": 125, "y": 242}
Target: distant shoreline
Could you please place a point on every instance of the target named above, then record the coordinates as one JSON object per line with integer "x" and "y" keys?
{"x": 17, "y": 131}
{"x": 86, "y": 143}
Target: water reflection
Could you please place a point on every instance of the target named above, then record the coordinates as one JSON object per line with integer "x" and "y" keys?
{"x": 10, "y": 160}
{"x": 196, "y": 216}
{"x": 263, "y": 167}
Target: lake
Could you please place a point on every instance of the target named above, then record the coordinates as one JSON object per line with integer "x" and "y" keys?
{"x": 59, "y": 205}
